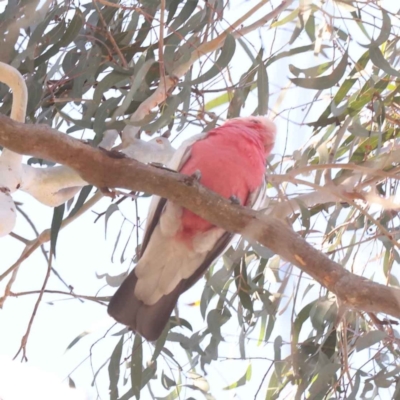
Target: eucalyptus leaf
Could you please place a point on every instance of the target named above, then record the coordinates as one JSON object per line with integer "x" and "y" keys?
{"x": 324, "y": 82}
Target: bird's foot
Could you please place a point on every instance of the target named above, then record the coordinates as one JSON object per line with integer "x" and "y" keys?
{"x": 235, "y": 200}
{"x": 195, "y": 177}
{"x": 108, "y": 193}
{"x": 161, "y": 166}
{"x": 113, "y": 153}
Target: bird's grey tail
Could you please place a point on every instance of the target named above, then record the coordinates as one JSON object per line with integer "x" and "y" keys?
{"x": 148, "y": 321}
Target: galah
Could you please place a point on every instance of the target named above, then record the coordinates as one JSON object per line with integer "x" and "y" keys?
{"x": 179, "y": 246}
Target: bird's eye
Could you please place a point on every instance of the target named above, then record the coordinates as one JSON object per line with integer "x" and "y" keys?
{"x": 159, "y": 141}
{"x": 256, "y": 121}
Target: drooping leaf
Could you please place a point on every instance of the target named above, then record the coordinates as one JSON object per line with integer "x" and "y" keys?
{"x": 188, "y": 7}
{"x": 290, "y": 17}
{"x": 324, "y": 82}
{"x": 378, "y": 59}
{"x": 384, "y": 33}
{"x": 56, "y": 221}
{"x": 263, "y": 89}
{"x": 76, "y": 340}
{"x": 136, "y": 366}
{"x": 70, "y": 34}
{"x": 369, "y": 339}
{"x": 114, "y": 369}
{"x": 324, "y": 378}
{"x": 84, "y": 193}
{"x": 241, "y": 381}
{"x": 110, "y": 210}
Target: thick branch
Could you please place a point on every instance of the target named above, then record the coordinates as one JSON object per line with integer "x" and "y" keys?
{"x": 98, "y": 168}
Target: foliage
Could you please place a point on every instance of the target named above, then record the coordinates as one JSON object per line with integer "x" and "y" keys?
{"x": 328, "y": 73}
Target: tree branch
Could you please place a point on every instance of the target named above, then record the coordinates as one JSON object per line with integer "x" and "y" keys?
{"x": 100, "y": 169}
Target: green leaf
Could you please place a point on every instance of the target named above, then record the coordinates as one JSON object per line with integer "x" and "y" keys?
{"x": 160, "y": 343}
{"x": 273, "y": 387}
{"x": 102, "y": 113}
{"x": 290, "y": 17}
{"x": 70, "y": 34}
{"x": 345, "y": 5}
{"x": 246, "y": 49}
{"x": 357, "y": 19}
{"x": 172, "y": 7}
{"x": 106, "y": 83}
{"x": 242, "y": 381}
{"x": 168, "y": 111}
{"x": 379, "y": 61}
{"x": 244, "y": 88}
{"x": 310, "y": 28}
{"x": 384, "y": 33}
{"x": 113, "y": 369}
{"x": 312, "y": 71}
{"x": 76, "y": 340}
{"x": 343, "y": 90}
{"x": 167, "y": 382}
{"x": 367, "y": 94}
{"x": 38, "y": 32}
{"x": 217, "y": 318}
{"x": 290, "y": 53}
{"x": 35, "y": 92}
{"x": 110, "y": 211}
{"x": 302, "y": 316}
{"x": 149, "y": 9}
{"x": 261, "y": 250}
{"x": 369, "y": 339}
{"x": 324, "y": 378}
{"x": 227, "y": 52}
{"x": 186, "y": 102}
{"x": 136, "y": 366}
{"x": 243, "y": 286}
{"x": 113, "y": 280}
{"x": 324, "y": 82}
{"x": 136, "y": 83}
{"x": 58, "y": 214}
{"x": 358, "y": 130}
{"x": 218, "y": 101}
{"x": 84, "y": 193}
{"x": 263, "y": 90}
{"x": 187, "y": 10}
{"x": 305, "y": 215}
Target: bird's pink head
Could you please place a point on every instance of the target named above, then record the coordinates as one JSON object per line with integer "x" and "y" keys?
{"x": 264, "y": 127}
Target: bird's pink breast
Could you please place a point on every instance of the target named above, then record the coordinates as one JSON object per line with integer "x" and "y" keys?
{"x": 232, "y": 163}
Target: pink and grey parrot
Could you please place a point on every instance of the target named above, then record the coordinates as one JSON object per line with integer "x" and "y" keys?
{"x": 179, "y": 246}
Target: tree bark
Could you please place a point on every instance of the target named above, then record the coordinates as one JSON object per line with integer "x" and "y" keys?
{"x": 103, "y": 170}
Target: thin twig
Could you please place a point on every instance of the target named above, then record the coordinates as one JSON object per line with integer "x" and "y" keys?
{"x": 263, "y": 379}
{"x": 20, "y": 238}
{"x": 24, "y": 340}
{"x": 111, "y": 37}
{"x": 96, "y": 299}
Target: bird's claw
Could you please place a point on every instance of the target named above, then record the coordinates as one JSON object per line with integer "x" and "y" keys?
{"x": 235, "y": 200}
{"x": 113, "y": 153}
{"x": 161, "y": 166}
{"x": 195, "y": 177}
{"x": 107, "y": 192}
